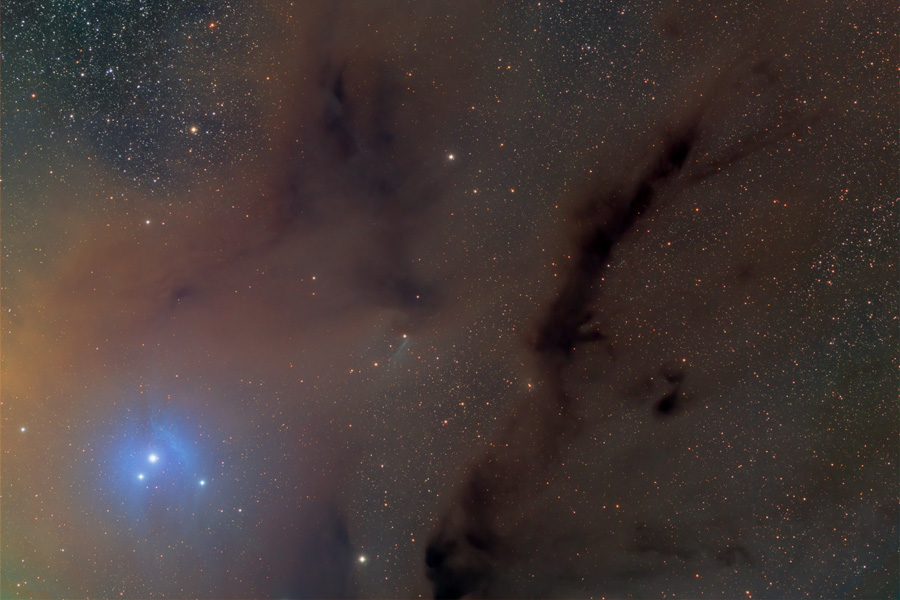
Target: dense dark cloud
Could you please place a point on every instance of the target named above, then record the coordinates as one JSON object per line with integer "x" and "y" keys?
{"x": 356, "y": 151}
{"x": 479, "y": 540}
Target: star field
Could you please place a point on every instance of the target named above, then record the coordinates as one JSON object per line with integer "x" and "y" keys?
{"x": 546, "y": 299}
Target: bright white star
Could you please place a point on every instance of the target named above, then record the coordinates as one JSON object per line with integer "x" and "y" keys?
{"x": 140, "y": 475}
{"x": 153, "y": 458}
{"x": 202, "y": 482}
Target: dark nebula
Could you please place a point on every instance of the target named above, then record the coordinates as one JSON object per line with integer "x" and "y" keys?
{"x": 341, "y": 299}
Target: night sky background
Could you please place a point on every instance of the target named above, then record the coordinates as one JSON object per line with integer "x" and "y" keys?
{"x": 386, "y": 299}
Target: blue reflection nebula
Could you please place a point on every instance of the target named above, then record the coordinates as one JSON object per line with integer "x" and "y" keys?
{"x": 152, "y": 464}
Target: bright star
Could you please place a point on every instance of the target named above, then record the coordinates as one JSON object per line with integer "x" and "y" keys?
{"x": 140, "y": 475}
{"x": 202, "y": 482}
{"x": 153, "y": 457}
{"x": 22, "y": 429}
{"x": 362, "y": 559}
{"x": 451, "y": 157}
